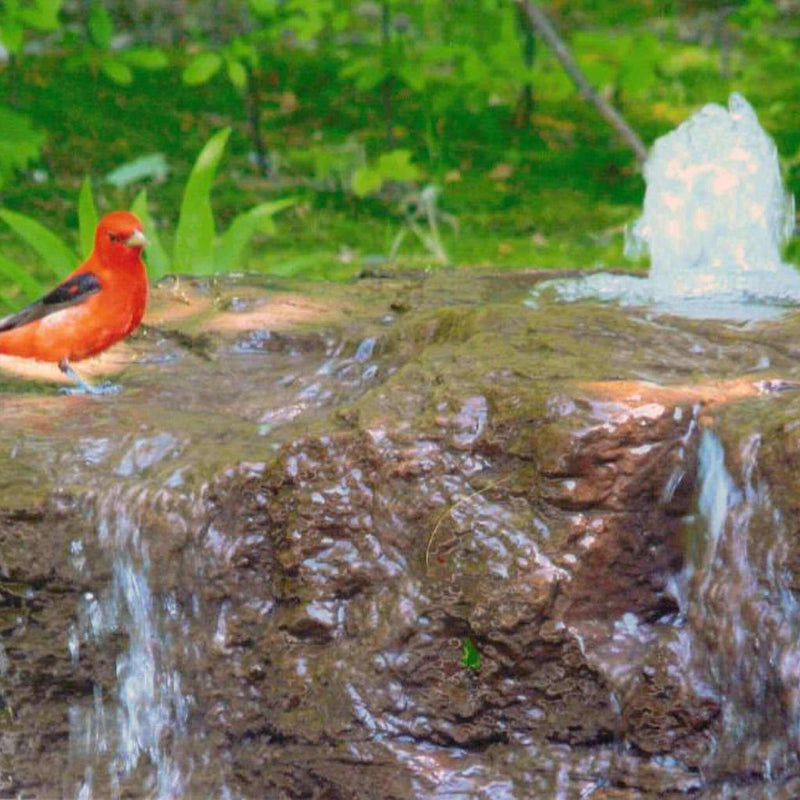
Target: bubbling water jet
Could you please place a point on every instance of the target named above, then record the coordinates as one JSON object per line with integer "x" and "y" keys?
{"x": 715, "y": 219}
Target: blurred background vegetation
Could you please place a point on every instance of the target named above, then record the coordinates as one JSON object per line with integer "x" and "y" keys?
{"x": 411, "y": 134}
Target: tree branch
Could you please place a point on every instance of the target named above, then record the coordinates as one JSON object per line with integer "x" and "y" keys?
{"x": 539, "y": 22}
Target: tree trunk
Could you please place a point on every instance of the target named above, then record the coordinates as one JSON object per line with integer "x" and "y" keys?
{"x": 525, "y": 100}
{"x": 252, "y": 100}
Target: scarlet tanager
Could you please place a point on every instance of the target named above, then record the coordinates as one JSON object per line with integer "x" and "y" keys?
{"x": 98, "y": 304}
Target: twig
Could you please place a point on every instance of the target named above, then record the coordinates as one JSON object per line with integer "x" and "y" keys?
{"x": 450, "y": 510}
{"x": 541, "y": 24}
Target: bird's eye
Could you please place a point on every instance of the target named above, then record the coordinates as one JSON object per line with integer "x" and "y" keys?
{"x": 116, "y": 237}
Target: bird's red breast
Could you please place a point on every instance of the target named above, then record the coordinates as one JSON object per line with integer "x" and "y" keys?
{"x": 98, "y": 304}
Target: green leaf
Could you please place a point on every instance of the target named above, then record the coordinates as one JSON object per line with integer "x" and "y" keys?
{"x": 149, "y": 58}
{"x": 101, "y": 27}
{"x": 244, "y": 51}
{"x": 12, "y": 35}
{"x": 87, "y": 217}
{"x": 470, "y": 657}
{"x": 414, "y": 75}
{"x": 232, "y": 243}
{"x": 42, "y": 15}
{"x": 201, "y": 68}
{"x": 237, "y": 74}
{"x": 117, "y": 71}
{"x": 194, "y": 237}
{"x": 158, "y": 262}
{"x": 396, "y": 166}
{"x": 20, "y": 143}
{"x": 152, "y": 166}
{"x": 56, "y": 255}
{"x": 366, "y": 180}
{"x": 263, "y": 8}
{"x": 17, "y": 274}
{"x": 368, "y": 72}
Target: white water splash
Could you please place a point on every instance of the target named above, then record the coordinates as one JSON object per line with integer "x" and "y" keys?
{"x": 716, "y": 217}
{"x": 736, "y": 596}
{"x": 138, "y": 723}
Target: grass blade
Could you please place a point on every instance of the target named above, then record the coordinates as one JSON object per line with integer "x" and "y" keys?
{"x": 15, "y": 273}
{"x": 87, "y": 217}
{"x": 158, "y": 262}
{"x": 232, "y": 243}
{"x": 58, "y": 258}
{"x": 194, "y": 238}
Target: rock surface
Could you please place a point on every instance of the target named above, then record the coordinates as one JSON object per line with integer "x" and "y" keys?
{"x": 407, "y": 538}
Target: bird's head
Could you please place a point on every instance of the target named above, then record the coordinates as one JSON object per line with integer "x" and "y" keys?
{"x": 119, "y": 237}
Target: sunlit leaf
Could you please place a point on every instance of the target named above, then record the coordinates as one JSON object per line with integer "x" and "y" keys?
{"x": 152, "y": 166}
{"x": 366, "y": 180}
{"x": 194, "y": 238}
{"x": 368, "y": 72}
{"x": 41, "y": 15}
{"x": 117, "y": 71}
{"x": 237, "y": 74}
{"x": 87, "y": 217}
{"x": 201, "y": 68}
{"x": 56, "y": 255}
{"x": 101, "y": 27}
{"x": 232, "y": 243}
{"x": 414, "y": 76}
{"x": 150, "y": 58}
{"x": 158, "y": 262}
{"x": 263, "y": 8}
{"x": 12, "y": 35}
{"x": 396, "y": 166}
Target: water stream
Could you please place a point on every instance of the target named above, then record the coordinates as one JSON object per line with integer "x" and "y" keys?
{"x": 427, "y": 542}
{"x": 137, "y": 726}
{"x": 716, "y": 216}
{"x": 737, "y": 598}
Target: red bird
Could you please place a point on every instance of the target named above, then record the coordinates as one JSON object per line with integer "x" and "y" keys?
{"x": 98, "y": 304}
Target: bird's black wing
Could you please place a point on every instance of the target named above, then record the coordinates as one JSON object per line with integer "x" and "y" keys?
{"x": 69, "y": 293}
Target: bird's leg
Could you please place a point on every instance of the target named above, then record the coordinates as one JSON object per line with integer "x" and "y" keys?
{"x": 81, "y": 386}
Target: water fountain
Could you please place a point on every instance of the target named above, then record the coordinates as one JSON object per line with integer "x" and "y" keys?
{"x": 716, "y": 217}
{"x": 253, "y": 572}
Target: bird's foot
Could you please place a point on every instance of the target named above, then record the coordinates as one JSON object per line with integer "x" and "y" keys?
{"x": 83, "y": 387}
{"x": 98, "y": 390}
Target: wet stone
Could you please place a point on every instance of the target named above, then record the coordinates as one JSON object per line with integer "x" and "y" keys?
{"x": 463, "y": 550}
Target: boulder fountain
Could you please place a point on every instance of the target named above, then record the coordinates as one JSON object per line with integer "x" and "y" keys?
{"x": 409, "y": 538}
{"x": 716, "y": 216}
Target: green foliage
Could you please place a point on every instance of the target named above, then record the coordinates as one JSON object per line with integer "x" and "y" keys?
{"x": 365, "y": 106}
{"x": 19, "y": 276}
{"x": 158, "y": 260}
{"x": 20, "y": 143}
{"x": 239, "y": 57}
{"x": 392, "y": 166}
{"x": 201, "y": 68}
{"x": 470, "y": 657}
{"x": 18, "y": 17}
{"x": 194, "y": 237}
{"x": 197, "y": 249}
{"x": 87, "y": 217}
{"x": 116, "y": 64}
{"x": 230, "y": 247}
{"x": 56, "y": 255}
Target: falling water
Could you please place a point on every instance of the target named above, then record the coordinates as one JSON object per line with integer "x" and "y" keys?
{"x": 715, "y": 218}
{"x": 132, "y": 729}
{"x": 736, "y": 599}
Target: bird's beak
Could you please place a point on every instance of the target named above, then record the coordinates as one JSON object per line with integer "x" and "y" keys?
{"x": 136, "y": 239}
